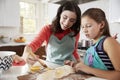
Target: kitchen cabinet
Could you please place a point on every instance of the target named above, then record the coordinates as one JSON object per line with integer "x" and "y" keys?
{"x": 1, "y": 12}
{"x": 18, "y": 49}
{"x": 9, "y": 13}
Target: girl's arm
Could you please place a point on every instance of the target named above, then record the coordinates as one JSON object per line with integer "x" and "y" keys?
{"x": 110, "y": 75}
{"x": 112, "y": 48}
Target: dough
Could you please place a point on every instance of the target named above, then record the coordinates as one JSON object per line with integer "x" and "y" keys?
{"x": 56, "y": 73}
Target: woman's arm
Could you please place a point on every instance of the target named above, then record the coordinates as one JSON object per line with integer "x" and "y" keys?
{"x": 26, "y": 52}
{"x": 43, "y": 36}
{"x": 29, "y": 50}
{"x": 75, "y": 53}
{"x": 29, "y": 56}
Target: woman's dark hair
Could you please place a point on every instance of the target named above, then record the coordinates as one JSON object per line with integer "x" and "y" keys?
{"x": 71, "y": 6}
{"x": 98, "y": 15}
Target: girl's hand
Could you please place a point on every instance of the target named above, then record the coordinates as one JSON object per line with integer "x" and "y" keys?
{"x": 79, "y": 67}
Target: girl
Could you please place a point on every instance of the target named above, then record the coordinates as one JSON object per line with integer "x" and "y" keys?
{"x": 102, "y": 58}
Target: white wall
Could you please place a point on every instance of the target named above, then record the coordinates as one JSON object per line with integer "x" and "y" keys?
{"x": 103, "y": 4}
{"x": 52, "y": 11}
{"x": 115, "y": 28}
{"x": 114, "y": 10}
{"x": 9, "y": 31}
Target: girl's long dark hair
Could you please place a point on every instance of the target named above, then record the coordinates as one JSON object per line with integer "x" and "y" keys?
{"x": 71, "y": 6}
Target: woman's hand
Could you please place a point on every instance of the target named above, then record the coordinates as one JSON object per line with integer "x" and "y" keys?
{"x": 17, "y": 59}
{"x": 115, "y": 36}
{"x": 69, "y": 62}
{"x": 30, "y": 60}
{"x": 29, "y": 56}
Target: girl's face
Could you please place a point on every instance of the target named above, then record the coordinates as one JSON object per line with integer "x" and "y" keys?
{"x": 67, "y": 19}
{"x": 91, "y": 28}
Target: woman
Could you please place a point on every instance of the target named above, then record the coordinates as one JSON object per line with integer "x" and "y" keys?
{"x": 61, "y": 36}
{"x": 102, "y": 58}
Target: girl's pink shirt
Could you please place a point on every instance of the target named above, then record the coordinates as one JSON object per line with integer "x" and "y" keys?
{"x": 45, "y": 34}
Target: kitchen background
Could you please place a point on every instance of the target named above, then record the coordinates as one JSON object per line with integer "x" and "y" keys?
{"x": 11, "y": 23}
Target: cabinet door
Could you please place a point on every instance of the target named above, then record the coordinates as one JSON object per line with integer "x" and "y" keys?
{"x": 2, "y": 3}
{"x": 12, "y": 17}
{"x": 18, "y": 49}
{"x": 11, "y": 13}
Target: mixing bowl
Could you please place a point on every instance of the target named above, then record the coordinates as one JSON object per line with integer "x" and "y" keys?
{"x": 6, "y": 59}
{"x": 5, "y": 39}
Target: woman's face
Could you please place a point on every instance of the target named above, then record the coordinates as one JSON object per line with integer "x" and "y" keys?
{"x": 90, "y": 28}
{"x": 67, "y": 19}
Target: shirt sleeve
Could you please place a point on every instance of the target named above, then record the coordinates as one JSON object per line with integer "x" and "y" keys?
{"x": 42, "y": 36}
{"x": 75, "y": 53}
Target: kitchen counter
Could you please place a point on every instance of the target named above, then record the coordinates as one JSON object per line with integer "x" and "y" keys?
{"x": 12, "y": 44}
{"x": 19, "y": 48}
{"x": 16, "y": 71}
{"x": 13, "y": 72}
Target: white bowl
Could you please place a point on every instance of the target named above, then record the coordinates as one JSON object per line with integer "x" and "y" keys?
{"x": 6, "y": 59}
{"x": 6, "y": 39}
